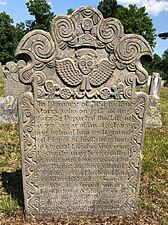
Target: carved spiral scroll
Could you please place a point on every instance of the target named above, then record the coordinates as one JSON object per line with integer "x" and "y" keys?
{"x": 38, "y": 45}
{"x": 63, "y": 29}
{"x": 43, "y": 48}
{"x": 110, "y": 30}
{"x": 130, "y": 48}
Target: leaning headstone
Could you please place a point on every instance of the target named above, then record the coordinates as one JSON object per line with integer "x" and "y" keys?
{"x": 154, "y": 118}
{"x": 82, "y": 125}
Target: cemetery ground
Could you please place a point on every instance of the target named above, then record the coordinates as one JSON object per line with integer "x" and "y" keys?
{"x": 153, "y": 200}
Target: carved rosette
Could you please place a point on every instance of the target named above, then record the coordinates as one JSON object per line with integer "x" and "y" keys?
{"x": 28, "y": 147}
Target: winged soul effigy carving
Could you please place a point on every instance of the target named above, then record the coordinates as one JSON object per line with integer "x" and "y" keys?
{"x": 85, "y": 59}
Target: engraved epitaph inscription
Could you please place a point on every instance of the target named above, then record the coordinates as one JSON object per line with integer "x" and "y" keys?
{"x": 82, "y": 123}
{"x": 83, "y": 153}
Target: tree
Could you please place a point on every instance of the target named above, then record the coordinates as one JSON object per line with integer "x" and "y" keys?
{"x": 108, "y": 8}
{"x": 70, "y": 11}
{"x": 134, "y": 19}
{"x": 40, "y": 9}
{"x": 158, "y": 64}
{"x": 164, "y": 65}
{"x": 163, "y": 35}
{"x": 10, "y": 36}
{"x": 153, "y": 65}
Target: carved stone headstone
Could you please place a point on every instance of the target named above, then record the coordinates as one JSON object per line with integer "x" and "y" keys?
{"x": 12, "y": 85}
{"x": 82, "y": 126}
{"x": 8, "y": 110}
{"x": 1, "y": 70}
{"x": 12, "y": 90}
{"x": 154, "y": 118}
{"x": 155, "y": 85}
{"x": 149, "y": 81}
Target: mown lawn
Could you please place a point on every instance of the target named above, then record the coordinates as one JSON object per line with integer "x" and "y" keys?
{"x": 153, "y": 201}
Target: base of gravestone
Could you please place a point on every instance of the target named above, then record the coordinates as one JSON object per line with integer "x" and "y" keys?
{"x": 154, "y": 118}
{"x": 8, "y": 110}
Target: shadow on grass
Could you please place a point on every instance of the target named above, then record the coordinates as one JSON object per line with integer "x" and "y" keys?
{"x": 12, "y": 183}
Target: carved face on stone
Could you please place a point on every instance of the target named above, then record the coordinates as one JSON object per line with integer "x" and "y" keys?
{"x": 86, "y": 64}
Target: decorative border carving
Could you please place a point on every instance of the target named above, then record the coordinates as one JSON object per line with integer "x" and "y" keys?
{"x": 28, "y": 147}
{"x": 138, "y": 127}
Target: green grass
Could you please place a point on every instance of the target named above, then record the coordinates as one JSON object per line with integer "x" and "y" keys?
{"x": 164, "y": 105}
{"x": 153, "y": 201}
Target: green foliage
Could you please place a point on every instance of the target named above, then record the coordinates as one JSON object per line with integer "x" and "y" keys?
{"x": 153, "y": 65}
{"x": 10, "y": 35}
{"x": 163, "y": 35}
{"x": 164, "y": 65}
{"x": 9, "y": 206}
{"x": 40, "y": 9}
{"x": 108, "y": 8}
{"x": 135, "y": 20}
{"x": 158, "y": 64}
{"x": 70, "y": 11}
{"x": 164, "y": 106}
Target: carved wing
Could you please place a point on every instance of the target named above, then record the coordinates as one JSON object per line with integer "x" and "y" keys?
{"x": 68, "y": 73}
{"x": 102, "y": 74}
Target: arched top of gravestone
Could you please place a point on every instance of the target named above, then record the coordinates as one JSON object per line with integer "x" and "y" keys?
{"x": 85, "y": 53}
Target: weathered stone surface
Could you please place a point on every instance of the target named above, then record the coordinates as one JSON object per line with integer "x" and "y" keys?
{"x": 82, "y": 126}
{"x": 1, "y": 70}
{"x": 155, "y": 85}
{"x": 12, "y": 85}
{"x": 149, "y": 81}
{"x": 8, "y": 110}
{"x": 154, "y": 118}
{"x": 12, "y": 90}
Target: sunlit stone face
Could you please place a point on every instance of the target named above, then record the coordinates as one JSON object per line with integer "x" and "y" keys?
{"x": 86, "y": 64}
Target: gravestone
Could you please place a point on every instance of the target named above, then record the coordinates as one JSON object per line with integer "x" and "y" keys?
{"x": 155, "y": 85}
{"x": 8, "y": 110}
{"x": 12, "y": 85}
{"x": 154, "y": 118}
{"x": 149, "y": 81}
{"x": 12, "y": 89}
{"x": 1, "y": 70}
{"x": 82, "y": 125}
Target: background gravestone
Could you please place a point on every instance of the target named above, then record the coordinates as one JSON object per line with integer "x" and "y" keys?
{"x": 8, "y": 110}
{"x": 82, "y": 125}
{"x": 154, "y": 118}
{"x": 155, "y": 85}
{"x": 12, "y": 86}
{"x": 12, "y": 90}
